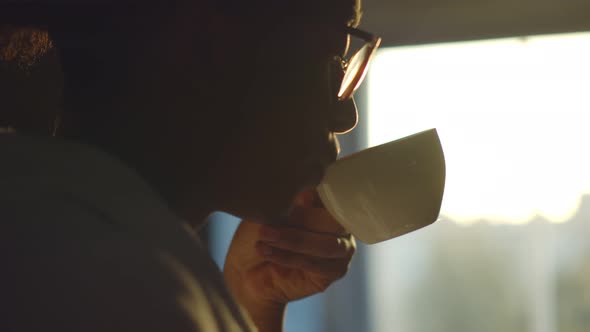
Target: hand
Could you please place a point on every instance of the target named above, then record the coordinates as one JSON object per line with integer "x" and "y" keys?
{"x": 269, "y": 266}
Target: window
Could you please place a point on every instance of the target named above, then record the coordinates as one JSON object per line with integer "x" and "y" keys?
{"x": 511, "y": 252}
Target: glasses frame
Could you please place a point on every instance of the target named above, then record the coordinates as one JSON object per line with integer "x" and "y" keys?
{"x": 372, "y": 42}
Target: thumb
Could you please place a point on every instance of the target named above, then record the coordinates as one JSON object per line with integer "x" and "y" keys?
{"x": 309, "y": 213}
{"x": 308, "y": 199}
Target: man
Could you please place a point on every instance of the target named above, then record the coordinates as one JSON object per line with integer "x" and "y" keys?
{"x": 172, "y": 110}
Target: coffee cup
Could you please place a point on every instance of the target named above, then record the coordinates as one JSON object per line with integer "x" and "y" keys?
{"x": 388, "y": 190}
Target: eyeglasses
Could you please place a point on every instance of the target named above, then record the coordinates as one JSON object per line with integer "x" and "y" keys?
{"x": 350, "y": 73}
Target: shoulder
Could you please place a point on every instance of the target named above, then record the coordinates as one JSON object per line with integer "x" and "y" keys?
{"x": 69, "y": 270}
{"x": 87, "y": 246}
{"x": 65, "y": 268}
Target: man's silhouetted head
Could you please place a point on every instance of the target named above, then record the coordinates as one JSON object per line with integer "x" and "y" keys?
{"x": 221, "y": 105}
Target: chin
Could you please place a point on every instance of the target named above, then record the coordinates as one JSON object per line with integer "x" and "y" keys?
{"x": 269, "y": 210}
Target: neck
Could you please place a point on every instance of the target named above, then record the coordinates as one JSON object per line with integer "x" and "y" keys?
{"x": 133, "y": 120}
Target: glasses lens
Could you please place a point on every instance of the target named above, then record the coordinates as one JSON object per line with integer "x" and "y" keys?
{"x": 355, "y": 72}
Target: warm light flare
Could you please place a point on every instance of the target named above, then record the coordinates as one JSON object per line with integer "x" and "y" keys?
{"x": 512, "y": 115}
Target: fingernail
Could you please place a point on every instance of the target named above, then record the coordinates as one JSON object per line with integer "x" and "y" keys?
{"x": 269, "y": 234}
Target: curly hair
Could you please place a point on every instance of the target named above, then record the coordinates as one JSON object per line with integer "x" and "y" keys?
{"x": 24, "y": 45}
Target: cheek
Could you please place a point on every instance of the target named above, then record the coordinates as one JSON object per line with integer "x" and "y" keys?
{"x": 272, "y": 156}
{"x": 277, "y": 148}
{"x": 263, "y": 178}
{"x": 287, "y": 119}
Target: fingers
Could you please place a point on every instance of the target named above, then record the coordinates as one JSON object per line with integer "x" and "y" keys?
{"x": 310, "y": 240}
{"x": 308, "y": 243}
{"x": 328, "y": 268}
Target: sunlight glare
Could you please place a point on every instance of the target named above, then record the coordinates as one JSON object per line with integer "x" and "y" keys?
{"x": 512, "y": 115}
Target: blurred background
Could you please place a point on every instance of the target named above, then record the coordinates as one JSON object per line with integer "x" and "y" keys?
{"x": 506, "y": 83}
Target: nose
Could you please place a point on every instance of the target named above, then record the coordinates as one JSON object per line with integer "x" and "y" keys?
{"x": 344, "y": 117}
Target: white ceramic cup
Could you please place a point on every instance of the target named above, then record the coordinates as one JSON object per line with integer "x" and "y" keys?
{"x": 388, "y": 190}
